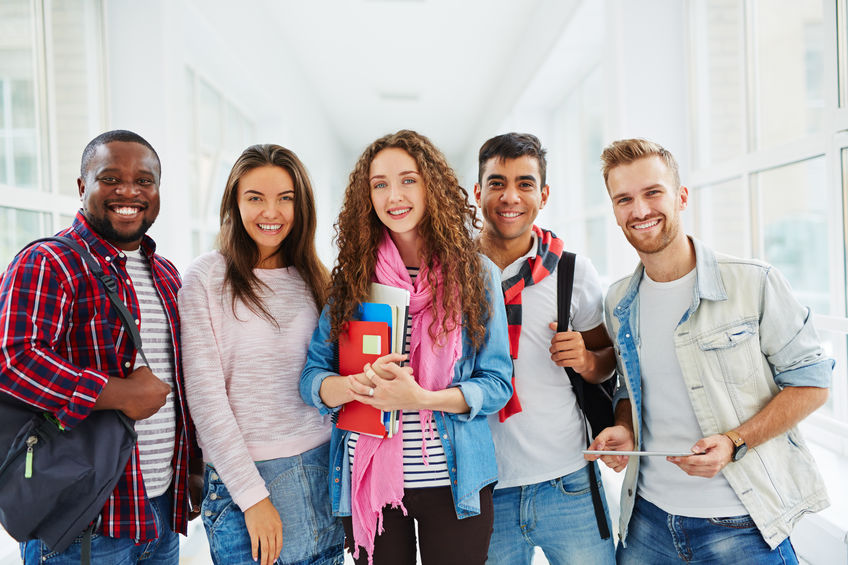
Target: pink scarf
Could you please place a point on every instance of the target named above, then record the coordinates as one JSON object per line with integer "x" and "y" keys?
{"x": 377, "y": 476}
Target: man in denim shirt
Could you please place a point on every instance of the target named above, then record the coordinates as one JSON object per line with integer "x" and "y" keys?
{"x": 724, "y": 362}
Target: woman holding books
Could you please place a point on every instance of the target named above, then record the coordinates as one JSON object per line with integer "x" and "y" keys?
{"x": 247, "y": 312}
{"x": 406, "y": 222}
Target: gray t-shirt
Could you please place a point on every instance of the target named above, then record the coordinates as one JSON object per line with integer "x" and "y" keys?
{"x": 155, "y": 434}
{"x": 668, "y": 419}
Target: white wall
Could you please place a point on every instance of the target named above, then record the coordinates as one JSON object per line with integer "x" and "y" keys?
{"x": 646, "y": 85}
{"x": 149, "y": 45}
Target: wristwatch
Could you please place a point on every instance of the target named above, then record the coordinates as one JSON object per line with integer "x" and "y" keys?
{"x": 740, "y": 448}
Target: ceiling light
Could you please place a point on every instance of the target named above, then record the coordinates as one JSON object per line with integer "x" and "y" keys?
{"x": 399, "y": 96}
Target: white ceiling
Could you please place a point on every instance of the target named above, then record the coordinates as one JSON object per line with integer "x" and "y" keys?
{"x": 449, "y": 69}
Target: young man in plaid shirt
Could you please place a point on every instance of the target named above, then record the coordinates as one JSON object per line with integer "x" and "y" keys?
{"x": 63, "y": 350}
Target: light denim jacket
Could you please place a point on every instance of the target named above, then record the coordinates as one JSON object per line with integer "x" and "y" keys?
{"x": 483, "y": 375}
{"x": 744, "y": 337}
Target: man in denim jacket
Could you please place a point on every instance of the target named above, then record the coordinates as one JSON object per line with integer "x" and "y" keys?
{"x": 724, "y": 364}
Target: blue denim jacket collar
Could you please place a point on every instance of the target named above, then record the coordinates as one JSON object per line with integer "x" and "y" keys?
{"x": 708, "y": 283}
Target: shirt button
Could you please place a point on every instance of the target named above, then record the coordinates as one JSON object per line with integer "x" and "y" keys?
{"x": 213, "y": 476}
{"x": 445, "y": 436}
{"x": 208, "y": 512}
{"x": 630, "y": 492}
{"x": 129, "y": 282}
{"x": 108, "y": 258}
{"x": 127, "y": 364}
{"x": 120, "y": 254}
{"x": 137, "y": 322}
{"x": 626, "y": 335}
{"x": 213, "y": 496}
{"x": 337, "y": 480}
{"x": 338, "y": 468}
{"x": 453, "y": 469}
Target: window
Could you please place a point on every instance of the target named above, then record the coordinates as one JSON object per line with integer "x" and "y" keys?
{"x": 788, "y": 45}
{"x": 218, "y": 133}
{"x": 721, "y": 212}
{"x": 718, "y": 67}
{"x": 18, "y": 108}
{"x": 51, "y": 105}
{"x": 770, "y": 154}
{"x": 793, "y": 208}
{"x": 18, "y": 227}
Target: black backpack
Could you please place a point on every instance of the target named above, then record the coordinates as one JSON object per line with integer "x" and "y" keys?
{"x": 54, "y": 483}
{"x": 594, "y": 400}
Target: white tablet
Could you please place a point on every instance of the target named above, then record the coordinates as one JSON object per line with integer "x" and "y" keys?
{"x": 642, "y": 453}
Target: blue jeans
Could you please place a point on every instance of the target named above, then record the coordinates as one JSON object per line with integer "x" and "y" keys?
{"x": 557, "y": 516}
{"x": 299, "y": 487}
{"x": 657, "y": 537}
{"x": 165, "y": 550}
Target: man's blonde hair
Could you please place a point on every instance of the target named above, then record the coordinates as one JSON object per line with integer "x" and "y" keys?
{"x": 626, "y": 151}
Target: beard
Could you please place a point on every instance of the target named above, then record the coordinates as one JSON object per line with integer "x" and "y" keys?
{"x": 108, "y": 232}
{"x": 671, "y": 227}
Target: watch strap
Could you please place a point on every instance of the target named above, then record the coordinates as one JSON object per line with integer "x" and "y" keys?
{"x": 735, "y": 438}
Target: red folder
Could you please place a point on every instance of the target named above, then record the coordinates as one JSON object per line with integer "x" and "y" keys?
{"x": 362, "y": 343}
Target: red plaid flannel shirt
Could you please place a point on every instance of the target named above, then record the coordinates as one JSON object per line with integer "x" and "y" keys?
{"x": 61, "y": 340}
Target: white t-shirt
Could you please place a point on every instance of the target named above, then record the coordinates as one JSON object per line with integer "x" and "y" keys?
{"x": 668, "y": 419}
{"x": 156, "y": 434}
{"x": 545, "y": 440}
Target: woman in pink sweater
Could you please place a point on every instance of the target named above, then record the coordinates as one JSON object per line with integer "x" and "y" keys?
{"x": 248, "y": 311}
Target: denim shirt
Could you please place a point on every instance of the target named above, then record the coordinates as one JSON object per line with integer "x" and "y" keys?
{"x": 483, "y": 375}
{"x": 743, "y": 338}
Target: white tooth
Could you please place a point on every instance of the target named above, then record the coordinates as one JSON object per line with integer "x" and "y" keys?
{"x": 646, "y": 225}
{"x": 399, "y": 212}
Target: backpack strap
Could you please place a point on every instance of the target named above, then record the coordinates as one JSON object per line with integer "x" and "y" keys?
{"x": 565, "y": 287}
{"x": 109, "y": 283}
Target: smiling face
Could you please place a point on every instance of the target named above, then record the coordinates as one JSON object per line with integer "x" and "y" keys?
{"x": 397, "y": 192}
{"x": 120, "y": 192}
{"x": 647, "y": 204}
{"x": 266, "y": 198}
{"x": 510, "y": 197}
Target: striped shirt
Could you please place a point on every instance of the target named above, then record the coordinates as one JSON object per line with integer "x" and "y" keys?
{"x": 416, "y": 473}
{"x": 155, "y": 434}
{"x": 61, "y": 340}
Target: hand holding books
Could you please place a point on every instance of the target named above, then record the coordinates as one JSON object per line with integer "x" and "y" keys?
{"x": 394, "y": 386}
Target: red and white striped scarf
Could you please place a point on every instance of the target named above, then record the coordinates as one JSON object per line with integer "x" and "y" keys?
{"x": 533, "y": 271}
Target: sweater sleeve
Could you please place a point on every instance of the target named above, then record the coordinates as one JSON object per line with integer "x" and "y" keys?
{"x": 202, "y": 312}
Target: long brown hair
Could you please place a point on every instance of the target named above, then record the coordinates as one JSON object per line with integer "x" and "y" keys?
{"x": 298, "y": 248}
{"x": 445, "y": 230}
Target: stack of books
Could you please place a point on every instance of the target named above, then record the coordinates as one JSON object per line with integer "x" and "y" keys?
{"x": 379, "y": 330}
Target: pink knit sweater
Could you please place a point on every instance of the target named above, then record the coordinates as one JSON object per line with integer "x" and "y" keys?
{"x": 242, "y": 374}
